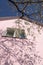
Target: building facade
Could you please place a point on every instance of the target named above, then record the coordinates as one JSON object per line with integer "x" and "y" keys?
{"x": 21, "y": 42}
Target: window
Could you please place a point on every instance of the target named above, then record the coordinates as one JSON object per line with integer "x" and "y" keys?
{"x": 15, "y": 32}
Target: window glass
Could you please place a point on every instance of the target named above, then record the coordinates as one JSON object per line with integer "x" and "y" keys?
{"x": 10, "y": 32}
{"x": 22, "y": 34}
{"x": 19, "y": 33}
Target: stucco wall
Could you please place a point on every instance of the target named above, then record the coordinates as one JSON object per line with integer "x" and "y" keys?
{"x": 34, "y": 35}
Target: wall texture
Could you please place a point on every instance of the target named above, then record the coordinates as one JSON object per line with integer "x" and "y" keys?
{"x": 15, "y": 51}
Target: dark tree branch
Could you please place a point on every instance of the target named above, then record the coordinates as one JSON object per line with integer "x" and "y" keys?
{"x": 25, "y": 3}
{"x": 18, "y": 8}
